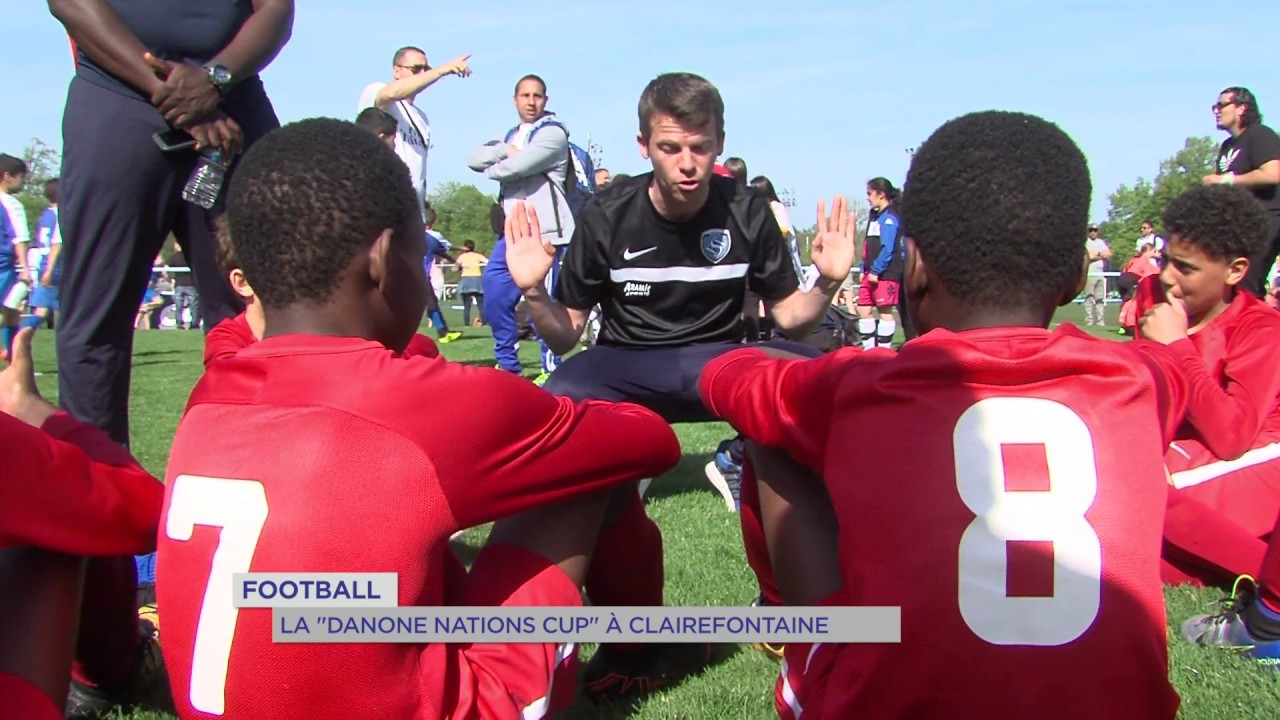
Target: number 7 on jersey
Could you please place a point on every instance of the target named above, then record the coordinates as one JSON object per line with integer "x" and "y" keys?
{"x": 239, "y": 509}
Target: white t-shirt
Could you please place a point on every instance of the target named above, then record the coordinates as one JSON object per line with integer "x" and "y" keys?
{"x": 1155, "y": 240}
{"x": 413, "y": 136}
{"x": 1098, "y": 245}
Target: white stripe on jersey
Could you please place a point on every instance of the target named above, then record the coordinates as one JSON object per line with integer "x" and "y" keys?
{"x": 679, "y": 274}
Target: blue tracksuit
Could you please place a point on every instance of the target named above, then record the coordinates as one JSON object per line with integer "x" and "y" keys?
{"x": 500, "y": 299}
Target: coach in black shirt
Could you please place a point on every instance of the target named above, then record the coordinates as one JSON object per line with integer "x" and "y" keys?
{"x": 668, "y": 256}
{"x": 1250, "y": 156}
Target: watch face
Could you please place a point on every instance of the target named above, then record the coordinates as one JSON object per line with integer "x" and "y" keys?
{"x": 220, "y": 75}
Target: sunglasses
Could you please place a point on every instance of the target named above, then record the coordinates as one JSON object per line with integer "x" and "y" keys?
{"x": 416, "y": 69}
{"x": 1221, "y": 105}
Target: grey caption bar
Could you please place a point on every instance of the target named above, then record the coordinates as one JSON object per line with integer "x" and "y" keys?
{"x": 587, "y": 624}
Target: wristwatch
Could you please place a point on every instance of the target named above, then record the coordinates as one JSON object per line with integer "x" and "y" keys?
{"x": 220, "y": 76}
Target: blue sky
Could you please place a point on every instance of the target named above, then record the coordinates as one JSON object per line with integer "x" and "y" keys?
{"x": 820, "y": 96}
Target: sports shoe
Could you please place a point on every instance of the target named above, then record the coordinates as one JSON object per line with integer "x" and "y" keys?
{"x": 773, "y": 651}
{"x": 542, "y": 378}
{"x": 725, "y": 476}
{"x": 148, "y": 688}
{"x": 1226, "y": 629}
{"x": 623, "y": 676}
{"x": 449, "y": 337}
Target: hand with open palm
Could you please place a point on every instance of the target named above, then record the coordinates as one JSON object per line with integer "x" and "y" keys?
{"x": 529, "y": 258}
{"x": 832, "y": 249}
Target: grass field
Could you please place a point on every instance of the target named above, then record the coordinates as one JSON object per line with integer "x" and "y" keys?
{"x": 704, "y": 558}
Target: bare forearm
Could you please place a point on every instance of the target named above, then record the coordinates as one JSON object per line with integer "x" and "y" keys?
{"x": 554, "y": 322}
{"x": 1262, "y": 176}
{"x": 259, "y": 40}
{"x": 20, "y": 249}
{"x": 105, "y": 40}
{"x": 407, "y": 87}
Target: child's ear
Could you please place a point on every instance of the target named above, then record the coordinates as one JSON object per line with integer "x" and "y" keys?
{"x": 240, "y": 284}
{"x": 380, "y": 257}
{"x": 1236, "y": 270}
{"x": 1076, "y": 285}
{"x": 914, "y": 273}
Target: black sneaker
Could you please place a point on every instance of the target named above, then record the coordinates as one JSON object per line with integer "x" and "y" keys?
{"x": 148, "y": 688}
{"x": 630, "y": 675}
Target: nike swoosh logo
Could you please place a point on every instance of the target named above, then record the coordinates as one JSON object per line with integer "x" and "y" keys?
{"x": 628, "y": 255}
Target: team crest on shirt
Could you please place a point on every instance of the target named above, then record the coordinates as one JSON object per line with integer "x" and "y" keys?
{"x": 716, "y": 244}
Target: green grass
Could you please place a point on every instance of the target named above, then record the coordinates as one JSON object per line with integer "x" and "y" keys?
{"x": 704, "y": 558}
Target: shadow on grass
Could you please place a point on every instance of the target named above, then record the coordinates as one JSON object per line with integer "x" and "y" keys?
{"x": 158, "y": 353}
{"x": 146, "y": 363}
{"x": 584, "y": 708}
{"x": 689, "y": 475}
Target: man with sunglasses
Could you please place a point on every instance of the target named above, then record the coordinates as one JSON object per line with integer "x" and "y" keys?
{"x": 411, "y": 75}
{"x": 1250, "y": 157}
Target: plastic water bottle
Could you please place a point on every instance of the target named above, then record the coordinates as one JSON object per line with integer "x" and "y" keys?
{"x": 205, "y": 183}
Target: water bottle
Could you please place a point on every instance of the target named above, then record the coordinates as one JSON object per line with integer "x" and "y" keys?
{"x": 205, "y": 183}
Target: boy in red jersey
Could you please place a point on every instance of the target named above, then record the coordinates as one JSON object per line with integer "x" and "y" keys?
{"x": 336, "y": 465}
{"x": 1224, "y": 463}
{"x": 69, "y": 492}
{"x": 1028, "y": 541}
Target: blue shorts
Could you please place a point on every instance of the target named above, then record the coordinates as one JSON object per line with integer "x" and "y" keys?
{"x": 44, "y": 297}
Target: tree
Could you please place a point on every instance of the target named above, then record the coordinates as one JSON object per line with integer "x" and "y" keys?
{"x": 1145, "y": 200}
{"x": 462, "y": 213}
{"x": 42, "y": 165}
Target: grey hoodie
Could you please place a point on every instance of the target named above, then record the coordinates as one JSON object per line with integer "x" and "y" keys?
{"x": 536, "y": 174}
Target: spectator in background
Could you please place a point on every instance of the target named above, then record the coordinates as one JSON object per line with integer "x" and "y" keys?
{"x": 501, "y": 297}
{"x": 602, "y": 178}
{"x": 532, "y": 163}
{"x": 1250, "y": 157}
{"x": 470, "y": 285}
{"x": 13, "y": 177}
{"x": 380, "y": 123}
{"x": 437, "y": 252}
{"x": 410, "y": 76}
{"x": 1095, "y": 288}
{"x": 8, "y": 279}
{"x": 880, "y": 286}
{"x": 737, "y": 169}
{"x": 186, "y": 297}
{"x": 44, "y": 262}
{"x": 1149, "y": 237}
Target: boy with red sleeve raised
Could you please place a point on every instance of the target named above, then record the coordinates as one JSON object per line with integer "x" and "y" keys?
{"x": 1027, "y": 543}
{"x": 1224, "y": 463}
{"x": 69, "y": 492}
{"x": 336, "y": 464}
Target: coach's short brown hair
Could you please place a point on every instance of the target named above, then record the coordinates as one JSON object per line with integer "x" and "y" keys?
{"x": 688, "y": 98}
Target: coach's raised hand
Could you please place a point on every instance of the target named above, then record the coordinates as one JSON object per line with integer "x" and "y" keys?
{"x": 832, "y": 249}
{"x": 529, "y": 257}
{"x": 19, "y": 395}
